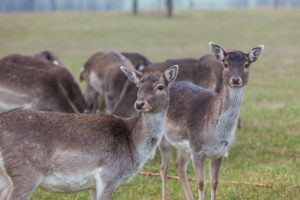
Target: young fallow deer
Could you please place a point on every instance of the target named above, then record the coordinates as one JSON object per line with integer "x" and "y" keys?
{"x": 33, "y": 89}
{"x": 66, "y": 153}
{"x": 206, "y": 72}
{"x": 50, "y": 57}
{"x": 104, "y": 80}
{"x": 201, "y": 124}
{"x": 138, "y": 60}
{"x": 43, "y": 66}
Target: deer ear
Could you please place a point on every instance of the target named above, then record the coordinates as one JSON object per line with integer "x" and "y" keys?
{"x": 132, "y": 75}
{"x": 255, "y": 53}
{"x": 217, "y": 51}
{"x": 171, "y": 73}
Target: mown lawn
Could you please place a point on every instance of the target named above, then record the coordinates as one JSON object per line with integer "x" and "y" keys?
{"x": 267, "y": 148}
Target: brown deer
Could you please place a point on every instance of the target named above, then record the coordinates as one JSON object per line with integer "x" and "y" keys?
{"x": 104, "y": 80}
{"x": 205, "y": 72}
{"x": 31, "y": 88}
{"x": 138, "y": 60}
{"x": 62, "y": 74}
{"x": 65, "y": 153}
{"x": 201, "y": 124}
{"x": 50, "y": 57}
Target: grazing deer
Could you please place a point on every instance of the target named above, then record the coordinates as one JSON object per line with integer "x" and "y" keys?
{"x": 60, "y": 73}
{"x": 138, "y": 60}
{"x": 201, "y": 124}
{"x": 66, "y": 153}
{"x": 50, "y": 57}
{"x": 104, "y": 80}
{"x": 31, "y": 88}
{"x": 205, "y": 72}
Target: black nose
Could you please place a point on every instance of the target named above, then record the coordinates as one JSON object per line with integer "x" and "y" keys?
{"x": 139, "y": 105}
{"x": 236, "y": 80}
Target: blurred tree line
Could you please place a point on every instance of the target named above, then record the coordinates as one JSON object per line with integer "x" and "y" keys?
{"x": 136, "y": 5}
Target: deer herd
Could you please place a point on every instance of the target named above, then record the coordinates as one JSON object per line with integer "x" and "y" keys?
{"x": 55, "y": 138}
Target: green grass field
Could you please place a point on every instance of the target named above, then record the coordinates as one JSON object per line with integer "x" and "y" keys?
{"x": 266, "y": 149}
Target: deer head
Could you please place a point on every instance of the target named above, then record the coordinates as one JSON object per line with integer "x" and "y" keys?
{"x": 153, "y": 88}
{"x": 236, "y": 64}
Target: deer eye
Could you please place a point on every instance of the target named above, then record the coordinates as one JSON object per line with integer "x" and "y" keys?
{"x": 160, "y": 87}
{"x": 225, "y": 65}
{"x": 246, "y": 65}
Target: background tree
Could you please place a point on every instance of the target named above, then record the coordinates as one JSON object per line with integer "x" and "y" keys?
{"x": 191, "y": 4}
{"x": 135, "y": 7}
{"x": 169, "y": 4}
{"x": 53, "y": 5}
{"x": 246, "y": 3}
{"x": 275, "y": 3}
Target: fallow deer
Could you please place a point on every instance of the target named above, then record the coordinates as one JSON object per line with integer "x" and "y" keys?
{"x": 50, "y": 57}
{"x": 104, "y": 80}
{"x": 201, "y": 124}
{"x": 65, "y": 153}
{"x": 31, "y": 88}
{"x": 205, "y": 72}
{"x": 62, "y": 74}
{"x": 138, "y": 60}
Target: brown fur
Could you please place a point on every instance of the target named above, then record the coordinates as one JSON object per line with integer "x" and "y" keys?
{"x": 201, "y": 124}
{"x": 35, "y": 145}
{"x": 50, "y": 57}
{"x": 205, "y": 72}
{"x": 60, "y": 73}
{"x": 104, "y": 92}
{"x": 138, "y": 60}
{"x": 32, "y": 88}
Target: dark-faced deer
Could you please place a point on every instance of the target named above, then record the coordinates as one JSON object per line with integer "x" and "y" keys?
{"x": 66, "y": 153}
{"x": 104, "y": 80}
{"x": 50, "y": 57}
{"x": 31, "y": 88}
{"x": 62, "y": 74}
{"x": 205, "y": 72}
{"x": 201, "y": 124}
{"x": 138, "y": 60}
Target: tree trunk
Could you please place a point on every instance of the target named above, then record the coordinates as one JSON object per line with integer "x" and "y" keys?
{"x": 169, "y": 7}
{"x": 192, "y": 4}
{"x": 135, "y": 7}
{"x": 246, "y": 3}
{"x": 53, "y": 5}
{"x": 276, "y": 3}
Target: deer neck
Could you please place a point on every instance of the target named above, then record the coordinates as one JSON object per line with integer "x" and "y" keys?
{"x": 147, "y": 133}
{"x": 230, "y": 100}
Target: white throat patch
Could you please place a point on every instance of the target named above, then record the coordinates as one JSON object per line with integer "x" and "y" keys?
{"x": 226, "y": 126}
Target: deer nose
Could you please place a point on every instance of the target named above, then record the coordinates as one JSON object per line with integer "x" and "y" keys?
{"x": 139, "y": 104}
{"x": 236, "y": 80}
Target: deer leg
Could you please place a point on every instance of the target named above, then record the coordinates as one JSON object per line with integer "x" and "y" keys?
{"x": 107, "y": 192}
{"x": 93, "y": 195}
{"x": 101, "y": 104}
{"x": 239, "y": 123}
{"x": 198, "y": 163}
{"x": 214, "y": 175}
{"x": 90, "y": 97}
{"x": 5, "y": 185}
{"x": 24, "y": 184}
{"x": 166, "y": 152}
{"x": 181, "y": 165}
{"x": 152, "y": 155}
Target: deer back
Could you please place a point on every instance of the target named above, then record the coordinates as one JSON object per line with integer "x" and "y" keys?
{"x": 199, "y": 72}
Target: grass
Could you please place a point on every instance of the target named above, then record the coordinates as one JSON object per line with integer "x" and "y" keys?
{"x": 266, "y": 149}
